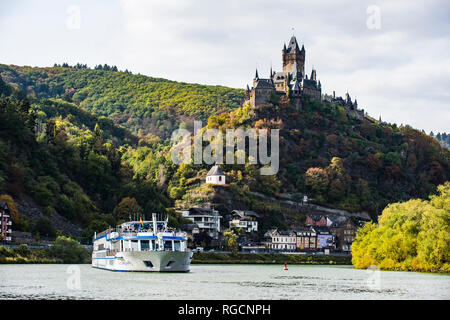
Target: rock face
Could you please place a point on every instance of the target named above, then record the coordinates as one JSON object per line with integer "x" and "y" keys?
{"x": 28, "y": 208}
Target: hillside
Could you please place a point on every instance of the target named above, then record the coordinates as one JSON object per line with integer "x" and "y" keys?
{"x": 139, "y": 103}
{"x": 337, "y": 160}
{"x": 82, "y": 148}
{"x": 61, "y": 167}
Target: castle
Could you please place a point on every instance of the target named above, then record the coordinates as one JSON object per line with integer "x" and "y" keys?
{"x": 294, "y": 83}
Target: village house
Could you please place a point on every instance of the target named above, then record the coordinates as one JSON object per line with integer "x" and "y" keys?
{"x": 266, "y": 240}
{"x": 191, "y": 229}
{"x": 207, "y": 220}
{"x": 245, "y": 219}
{"x": 283, "y": 240}
{"x": 306, "y": 239}
{"x": 5, "y": 222}
{"x": 325, "y": 240}
{"x": 316, "y": 220}
{"x": 215, "y": 176}
{"x": 331, "y": 220}
{"x": 344, "y": 232}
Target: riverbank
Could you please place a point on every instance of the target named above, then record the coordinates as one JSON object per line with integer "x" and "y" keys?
{"x": 268, "y": 258}
{"x": 22, "y": 255}
{"x": 63, "y": 250}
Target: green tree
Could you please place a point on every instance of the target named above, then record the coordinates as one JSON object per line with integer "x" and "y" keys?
{"x": 128, "y": 208}
{"x": 69, "y": 250}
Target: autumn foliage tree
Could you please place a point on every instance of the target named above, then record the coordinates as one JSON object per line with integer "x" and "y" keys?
{"x": 317, "y": 179}
{"x": 412, "y": 235}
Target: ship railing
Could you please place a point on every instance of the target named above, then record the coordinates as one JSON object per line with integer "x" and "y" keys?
{"x": 146, "y": 250}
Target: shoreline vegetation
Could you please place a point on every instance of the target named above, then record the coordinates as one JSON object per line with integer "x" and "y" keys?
{"x": 410, "y": 236}
{"x": 63, "y": 250}
{"x": 23, "y": 255}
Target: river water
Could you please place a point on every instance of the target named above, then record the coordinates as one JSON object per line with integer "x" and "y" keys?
{"x": 300, "y": 282}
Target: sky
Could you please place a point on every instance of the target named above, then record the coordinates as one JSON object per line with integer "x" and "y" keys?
{"x": 393, "y": 56}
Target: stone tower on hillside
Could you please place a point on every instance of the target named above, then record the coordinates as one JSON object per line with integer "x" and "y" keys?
{"x": 293, "y": 54}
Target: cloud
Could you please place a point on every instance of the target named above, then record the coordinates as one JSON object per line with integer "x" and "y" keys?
{"x": 400, "y": 71}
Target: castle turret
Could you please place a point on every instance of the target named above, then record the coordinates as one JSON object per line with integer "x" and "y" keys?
{"x": 255, "y": 80}
{"x": 247, "y": 94}
{"x": 313, "y": 75}
{"x": 292, "y": 54}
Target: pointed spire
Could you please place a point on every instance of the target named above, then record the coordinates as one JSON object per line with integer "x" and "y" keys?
{"x": 256, "y": 74}
{"x": 284, "y": 47}
{"x": 248, "y": 88}
{"x": 293, "y": 45}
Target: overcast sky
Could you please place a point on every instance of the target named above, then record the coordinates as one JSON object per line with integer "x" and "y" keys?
{"x": 397, "y": 66}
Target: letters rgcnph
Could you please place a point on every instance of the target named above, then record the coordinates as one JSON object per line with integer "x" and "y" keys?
{"x": 213, "y": 152}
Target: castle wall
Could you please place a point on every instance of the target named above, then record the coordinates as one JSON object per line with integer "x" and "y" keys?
{"x": 260, "y": 96}
{"x": 314, "y": 94}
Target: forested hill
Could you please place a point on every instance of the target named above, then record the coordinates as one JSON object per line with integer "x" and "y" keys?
{"x": 88, "y": 146}
{"x": 337, "y": 160}
{"x": 139, "y": 103}
{"x": 61, "y": 168}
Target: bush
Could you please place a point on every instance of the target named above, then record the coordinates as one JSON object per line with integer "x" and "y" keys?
{"x": 69, "y": 250}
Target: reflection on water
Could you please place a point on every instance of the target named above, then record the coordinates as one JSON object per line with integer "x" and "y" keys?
{"x": 219, "y": 282}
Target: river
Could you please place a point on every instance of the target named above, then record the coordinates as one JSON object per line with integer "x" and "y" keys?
{"x": 301, "y": 282}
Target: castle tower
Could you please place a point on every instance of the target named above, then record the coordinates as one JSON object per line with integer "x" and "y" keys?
{"x": 247, "y": 94}
{"x": 255, "y": 80}
{"x": 314, "y": 75}
{"x": 292, "y": 54}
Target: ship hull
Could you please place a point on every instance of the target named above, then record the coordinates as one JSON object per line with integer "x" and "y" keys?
{"x": 146, "y": 261}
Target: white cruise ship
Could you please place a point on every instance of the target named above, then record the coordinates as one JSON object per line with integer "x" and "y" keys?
{"x": 142, "y": 246}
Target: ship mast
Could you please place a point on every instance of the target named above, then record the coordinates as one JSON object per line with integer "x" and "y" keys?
{"x": 154, "y": 223}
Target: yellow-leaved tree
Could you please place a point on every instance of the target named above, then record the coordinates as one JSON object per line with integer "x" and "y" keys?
{"x": 11, "y": 205}
{"x": 412, "y": 235}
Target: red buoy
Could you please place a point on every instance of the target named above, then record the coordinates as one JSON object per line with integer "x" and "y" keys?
{"x": 285, "y": 267}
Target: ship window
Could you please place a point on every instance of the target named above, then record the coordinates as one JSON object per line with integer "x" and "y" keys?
{"x": 169, "y": 264}
{"x": 145, "y": 245}
{"x": 177, "y": 245}
{"x": 168, "y": 245}
{"x": 148, "y": 264}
